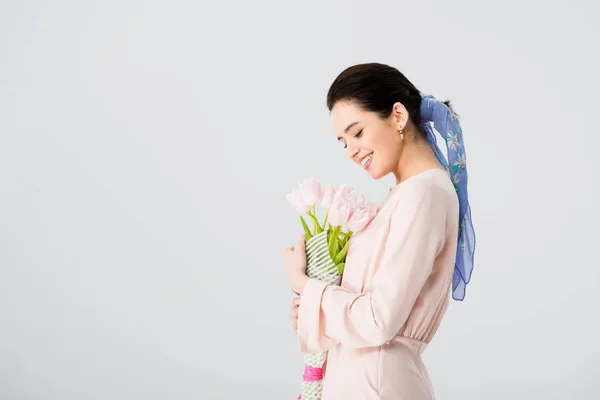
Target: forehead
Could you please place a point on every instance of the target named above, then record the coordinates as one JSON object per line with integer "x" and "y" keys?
{"x": 345, "y": 113}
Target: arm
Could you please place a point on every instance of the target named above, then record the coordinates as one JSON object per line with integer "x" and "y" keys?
{"x": 330, "y": 314}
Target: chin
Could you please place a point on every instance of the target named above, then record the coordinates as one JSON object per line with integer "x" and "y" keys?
{"x": 376, "y": 173}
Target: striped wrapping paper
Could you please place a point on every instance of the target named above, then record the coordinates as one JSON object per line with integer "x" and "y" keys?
{"x": 319, "y": 266}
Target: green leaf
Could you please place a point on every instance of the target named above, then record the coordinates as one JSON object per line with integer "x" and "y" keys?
{"x": 346, "y": 237}
{"x": 339, "y": 244}
{"x": 333, "y": 247}
{"x": 333, "y": 243}
{"x": 330, "y": 234}
{"x": 306, "y": 230}
{"x": 341, "y": 255}
{"x": 340, "y": 267}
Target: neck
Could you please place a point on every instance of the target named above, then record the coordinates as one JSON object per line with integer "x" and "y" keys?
{"x": 416, "y": 157}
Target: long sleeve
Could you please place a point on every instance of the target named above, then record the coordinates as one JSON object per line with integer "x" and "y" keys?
{"x": 330, "y": 314}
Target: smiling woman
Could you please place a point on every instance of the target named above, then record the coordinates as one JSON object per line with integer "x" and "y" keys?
{"x": 373, "y": 116}
{"x": 400, "y": 270}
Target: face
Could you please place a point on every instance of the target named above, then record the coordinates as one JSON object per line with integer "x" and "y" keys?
{"x": 371, "y": 142}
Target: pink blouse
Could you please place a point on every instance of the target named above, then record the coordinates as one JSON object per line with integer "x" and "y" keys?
{"x": 394, "y": 293}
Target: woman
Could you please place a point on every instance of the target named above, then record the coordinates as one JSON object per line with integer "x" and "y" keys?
{"x": 401, "y": 268}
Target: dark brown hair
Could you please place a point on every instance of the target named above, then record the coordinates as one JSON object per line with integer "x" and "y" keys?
{"x": 376, "y": 87}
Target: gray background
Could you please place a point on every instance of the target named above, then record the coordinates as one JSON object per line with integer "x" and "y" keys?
{"x": 146, "y": 149}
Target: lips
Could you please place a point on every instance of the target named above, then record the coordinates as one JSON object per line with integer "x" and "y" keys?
{"x": 366, "y": 160}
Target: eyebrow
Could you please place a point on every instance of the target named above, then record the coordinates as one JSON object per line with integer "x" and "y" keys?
{"x": 348, "y": 128}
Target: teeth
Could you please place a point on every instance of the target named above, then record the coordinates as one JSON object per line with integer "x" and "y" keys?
{"x": 367, "y": 158}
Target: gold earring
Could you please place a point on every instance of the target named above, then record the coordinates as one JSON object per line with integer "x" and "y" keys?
{"x": 401, "y": 134}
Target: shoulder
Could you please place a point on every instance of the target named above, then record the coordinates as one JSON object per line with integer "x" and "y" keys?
{"x": 430, "y": 185}
{"x": 427, "y": 195}
{"x": 422, "y": 208}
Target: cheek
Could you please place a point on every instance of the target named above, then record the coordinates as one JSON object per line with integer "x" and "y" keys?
{"x": 386, "y": 150}
{"x": 376, "y": 143}
{"x": 381, "y": 143}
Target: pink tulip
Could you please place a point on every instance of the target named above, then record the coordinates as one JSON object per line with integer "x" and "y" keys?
{"x": 360, "y": 218}
{"x": 349, "y": 195}
{"x": 328, "y": 197}
{"x": 339, "y": 213}
{"x": 343, "y": 192}
{"x": 351, "y": 198}
{"x": 356, "y": 199}
{"x": 311, "y": 190}
{"x": 373, "y": 209}
{"x": 297, "y": 201}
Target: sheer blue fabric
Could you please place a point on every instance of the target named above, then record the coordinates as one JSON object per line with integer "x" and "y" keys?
{"x": 446, "y": 122}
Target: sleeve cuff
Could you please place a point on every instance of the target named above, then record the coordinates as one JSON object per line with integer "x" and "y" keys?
{"x": 311, "y": 339}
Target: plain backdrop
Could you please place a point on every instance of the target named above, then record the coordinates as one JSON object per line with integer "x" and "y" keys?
{"x": 146, "y": 148}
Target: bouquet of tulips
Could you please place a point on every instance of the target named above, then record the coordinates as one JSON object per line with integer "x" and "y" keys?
{"x": 326, "y": 247}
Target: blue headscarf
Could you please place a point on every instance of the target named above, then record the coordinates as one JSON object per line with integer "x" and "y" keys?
{"x": 446, "y": 122}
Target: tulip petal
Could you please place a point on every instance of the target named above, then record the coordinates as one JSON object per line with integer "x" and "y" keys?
{"x": 295, "y": 199}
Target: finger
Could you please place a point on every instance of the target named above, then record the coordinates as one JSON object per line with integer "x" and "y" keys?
{"x": 301, "y": 243}
{"x": 296, "y": 302}
{"x": 294, "y": 313}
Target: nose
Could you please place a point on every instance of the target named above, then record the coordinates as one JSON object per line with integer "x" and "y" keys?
{"x": 352, "y": 152}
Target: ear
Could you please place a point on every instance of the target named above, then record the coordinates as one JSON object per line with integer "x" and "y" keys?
{"x": 400, "y": 115}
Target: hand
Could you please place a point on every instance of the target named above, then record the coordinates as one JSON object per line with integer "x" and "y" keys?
{"x": 295, "y": 265}
{"x": 294, "y": 314}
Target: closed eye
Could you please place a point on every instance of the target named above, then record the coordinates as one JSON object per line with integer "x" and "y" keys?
{"x": 358, "y": 135}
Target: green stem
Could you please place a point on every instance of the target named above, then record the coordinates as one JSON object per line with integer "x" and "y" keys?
{"x": 316, "y": 225}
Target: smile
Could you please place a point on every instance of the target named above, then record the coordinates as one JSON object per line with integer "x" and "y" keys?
{"x": 365, "y": 161}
